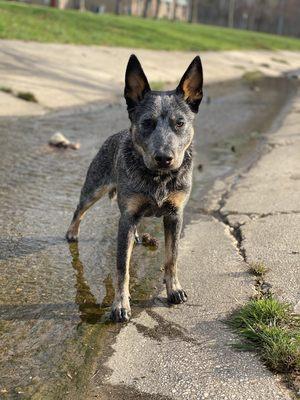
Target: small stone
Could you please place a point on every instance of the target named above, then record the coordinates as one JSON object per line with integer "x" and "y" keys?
{"x": 69, "y": 375}
{"x": 59, "y": 140}
{"x": 74, "y": 146}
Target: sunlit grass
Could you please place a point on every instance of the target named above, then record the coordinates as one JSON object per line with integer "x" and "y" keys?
{"x": 44, "y": 24}
{"x": 269, "y": 327}
{"x": 258, "y": 269}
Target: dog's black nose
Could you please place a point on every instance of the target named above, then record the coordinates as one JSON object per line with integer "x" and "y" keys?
{"x": 163, "y": 160}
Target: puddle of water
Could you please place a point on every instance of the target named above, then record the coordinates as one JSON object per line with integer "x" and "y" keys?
{"x": 55, "y": 297}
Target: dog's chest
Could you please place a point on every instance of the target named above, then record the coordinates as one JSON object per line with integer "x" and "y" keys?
{"x": 164, "y": 201}
{"x": 154, "y": 210}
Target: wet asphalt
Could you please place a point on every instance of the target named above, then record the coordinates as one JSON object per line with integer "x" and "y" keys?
{"x": 55, "y": 298}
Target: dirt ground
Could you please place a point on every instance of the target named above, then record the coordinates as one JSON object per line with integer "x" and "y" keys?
{"x": 62, "y": 76}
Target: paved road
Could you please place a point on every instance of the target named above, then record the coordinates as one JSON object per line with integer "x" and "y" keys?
{"x": 266, "y": 205}
{"x": 163, "y": 353}
{"x": 184, "y": 351}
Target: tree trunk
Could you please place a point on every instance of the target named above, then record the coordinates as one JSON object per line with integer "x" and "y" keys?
{"x": 174, "y": 10}
{"x": 129, "y": 7}
{"x": 146, "y": 7}
{"x": 117, "y": 7}
{"x": 280, "y": 23}
{"x": 231, "y": 13}
{"x": 157, "y": 8}
{"x": 191, "y": 10}
{"x": 82, "y": 5}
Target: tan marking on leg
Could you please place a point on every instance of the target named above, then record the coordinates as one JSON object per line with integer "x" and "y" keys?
{"x": 168, "y": 250}
{"x": 170, "y": 266}
{"x": 121, "y": 306}
{"x": 112, "y": 194}
{"x": 177, "y": 199}
{"x": 73, "y": 231}
{"x": 134, "y": 203}
{"x": 125, "y": 290}
{"x": 171, "y": 279}
{"x": 174, "y": 290}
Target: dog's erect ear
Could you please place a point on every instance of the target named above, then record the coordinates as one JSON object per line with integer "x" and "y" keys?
{"x": 190, "y": 86}
{"x": 136, "y": 83}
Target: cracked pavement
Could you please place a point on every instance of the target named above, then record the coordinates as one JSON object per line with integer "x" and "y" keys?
{"x": 262, "y": 207}
{"x": 265, "y": 204}
{"x": 185, "y": 351}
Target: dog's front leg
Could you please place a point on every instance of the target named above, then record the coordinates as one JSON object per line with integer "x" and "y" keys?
{"x": 172, "y": 226}
{"x": 121, "y": 306}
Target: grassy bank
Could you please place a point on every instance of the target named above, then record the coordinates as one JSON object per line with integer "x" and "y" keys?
{"x": 270, "y": 328}
{"x": 43, "y": 24}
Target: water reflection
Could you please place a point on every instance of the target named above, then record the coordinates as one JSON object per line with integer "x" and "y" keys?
{"x": 90, "y": 311}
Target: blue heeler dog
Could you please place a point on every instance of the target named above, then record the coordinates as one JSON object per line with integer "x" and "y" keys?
{"x": 149, "y": 166}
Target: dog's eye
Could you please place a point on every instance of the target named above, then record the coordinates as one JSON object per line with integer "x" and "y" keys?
{"x": 149, "y": 124}
{"x": 179, "y": 123}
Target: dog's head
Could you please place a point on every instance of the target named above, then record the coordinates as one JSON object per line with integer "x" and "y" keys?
{"x": 162, "y": 122}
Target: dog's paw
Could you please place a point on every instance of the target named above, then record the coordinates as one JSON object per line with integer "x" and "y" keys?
{"x": 120, "y": 311}
{"x": 120, "y": 315}
{"x": 177, "y": 296}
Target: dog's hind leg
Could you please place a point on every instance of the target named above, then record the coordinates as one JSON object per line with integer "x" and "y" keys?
{"x": 99, "y": 180}
{"x": 86, "y": 201}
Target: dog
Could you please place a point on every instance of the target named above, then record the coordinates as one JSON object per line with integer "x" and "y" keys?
{"x": 149, "y": 167}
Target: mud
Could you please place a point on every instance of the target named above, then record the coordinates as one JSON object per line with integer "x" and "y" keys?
{"x": 54, "y": 297}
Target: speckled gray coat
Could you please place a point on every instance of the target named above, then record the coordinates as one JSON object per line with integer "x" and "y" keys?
{"x": 149, "y": 166}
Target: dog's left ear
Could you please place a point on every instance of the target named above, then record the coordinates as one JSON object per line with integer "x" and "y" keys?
{"x": 191, "y": 84}
{"x": 136, "y": 83}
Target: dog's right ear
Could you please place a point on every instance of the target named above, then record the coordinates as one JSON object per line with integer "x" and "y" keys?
{"x": 136, "y": 83}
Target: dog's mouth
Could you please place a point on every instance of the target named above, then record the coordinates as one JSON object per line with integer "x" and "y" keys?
{"x": 164, "y": 171}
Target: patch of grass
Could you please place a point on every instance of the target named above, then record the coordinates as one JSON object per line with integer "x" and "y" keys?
{"x": 239, "y": 67}
{"x": 280, "y": 60}
{"x": 5, "y": 89}
{"x": 281, "y": 349}
{"x": 269, "y": 327}
{"x": 252, "y": 76}
{"x": 45, "y": 24}
{"x": 258, "y": 269}
{"x": 27, "y": 96}
{"x": 158, "y": 85}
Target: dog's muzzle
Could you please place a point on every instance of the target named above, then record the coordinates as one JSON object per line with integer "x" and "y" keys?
{"x": 164, "y": 160}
